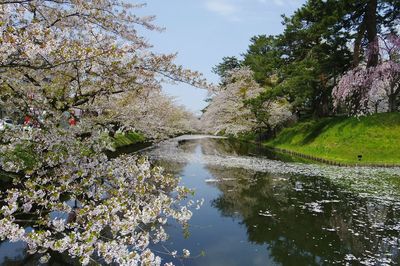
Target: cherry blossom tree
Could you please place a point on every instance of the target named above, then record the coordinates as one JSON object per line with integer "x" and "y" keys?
{"x": 57, "y": 56}
{"x": 151, "y": 113}
{"x": 365, "y": 90}
{"x": 227, "y": 112}
{"x": 237, "y": 108}
{"x": 278, "y": 113}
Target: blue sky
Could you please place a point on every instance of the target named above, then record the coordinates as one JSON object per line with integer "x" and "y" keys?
{"x": 204, "y": 31}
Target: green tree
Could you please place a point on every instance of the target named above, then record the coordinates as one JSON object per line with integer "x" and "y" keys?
{"x": 228, "y": 63}
{"x": 264, "y": 58}
{"x": 317, "y": 52}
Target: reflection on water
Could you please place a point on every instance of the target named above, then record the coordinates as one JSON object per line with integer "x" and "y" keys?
{"x": 269, "y": 215}
{"x": 261, "y": 218}
{"x": 12, "y": 254}
{"x": 312, "y": 225}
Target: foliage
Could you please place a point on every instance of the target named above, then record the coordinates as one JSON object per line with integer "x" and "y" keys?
{"x": 264, "y": 57}
{"x": 229, "y": 63}
{"x": 365, "y": 90}
{"x": 227, "y": 112}
{"x": 57, "y": 57}
{"x": 24, "y": 154}
{"x": 321, "y": 41}
{"x": 151, "y": 113}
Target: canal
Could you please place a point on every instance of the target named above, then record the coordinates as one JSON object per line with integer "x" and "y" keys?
{"x": 263, "y": 208}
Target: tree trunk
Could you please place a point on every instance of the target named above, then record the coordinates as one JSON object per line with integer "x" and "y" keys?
{"x": 357, "y": 42}
{"x": 372, "y": 32}
{"x": 393, "y": 103}
{"x": 321, "y": 103}
{"x": 322, "y": 108}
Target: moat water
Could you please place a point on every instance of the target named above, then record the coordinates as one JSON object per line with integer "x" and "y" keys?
{"x": 262, "y": 208}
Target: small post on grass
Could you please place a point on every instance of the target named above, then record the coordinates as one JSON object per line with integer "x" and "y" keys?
{"x": 359, "y": 157}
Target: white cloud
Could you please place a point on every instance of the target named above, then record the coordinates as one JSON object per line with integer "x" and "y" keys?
{"x": 282, "y": 3}
{"x": 239, "y": 10}
{"x": 279, "y": 2}
{"x": 221, "y": 7}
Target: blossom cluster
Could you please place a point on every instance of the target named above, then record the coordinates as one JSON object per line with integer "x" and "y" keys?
{"x": 230, "y": 113}
{"x": 111, "y": 208}
{"x": 227, "y": 112}
{"x": 375, "y": 89}
{"x": 87, "y": 55}
{"x": 151, "y": 112}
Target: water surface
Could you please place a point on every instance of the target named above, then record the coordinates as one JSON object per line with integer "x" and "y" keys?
{"x": 262, "y": 208}
{"x": 259, "y": 210}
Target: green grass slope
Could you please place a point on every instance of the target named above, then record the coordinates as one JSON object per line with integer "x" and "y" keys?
{"x": 126, "y": 139}
{"x": 375, "y": 137}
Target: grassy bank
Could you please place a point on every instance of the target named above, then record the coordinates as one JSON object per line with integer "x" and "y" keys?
{"x": 376, "y": 138}
{"x": 126, "y": 139}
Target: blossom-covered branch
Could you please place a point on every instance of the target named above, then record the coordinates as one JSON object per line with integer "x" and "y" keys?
{"x": 61, "y": 58}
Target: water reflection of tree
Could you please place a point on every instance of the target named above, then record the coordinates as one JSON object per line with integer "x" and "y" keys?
{"x": 230, "y": 147}
{"x": 297, "y": 235}
{"x": 233, "y": 147}
{"x": 171, "y": 167}
{"x": 21, "y": 257}
{"x": 188, "y": 146}
{"x": 222, "y": 147}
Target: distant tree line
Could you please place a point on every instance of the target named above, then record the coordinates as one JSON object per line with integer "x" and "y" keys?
{"x": 334, "y": 56}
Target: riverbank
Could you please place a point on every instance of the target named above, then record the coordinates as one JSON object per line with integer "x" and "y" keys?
{"x": 127, "y": 139}
{"x": 226, "y": 153}
{"x": 341, "y": 140}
